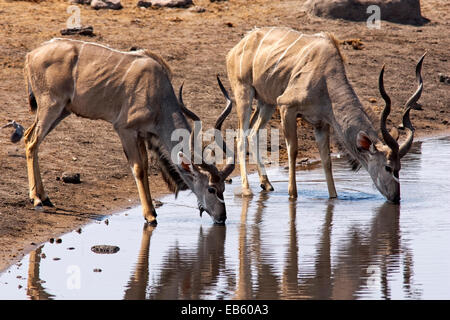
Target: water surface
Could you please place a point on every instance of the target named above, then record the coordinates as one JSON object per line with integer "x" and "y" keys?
{"x": 354, "y": 247}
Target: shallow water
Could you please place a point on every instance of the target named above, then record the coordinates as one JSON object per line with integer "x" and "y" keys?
{"x": 355, "y": 247}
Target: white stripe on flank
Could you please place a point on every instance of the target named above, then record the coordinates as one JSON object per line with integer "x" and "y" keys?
{"x": 284, "y": 53}
{"x": 275, "y": 45}
{"x": 242, "y": 56}
{"x": 303, "y": 49}
{"x": 260, "y": 43}
{"x": 75, "y": 73}
{"x": 128, "y": 70}
{"x": 112, "y": 74}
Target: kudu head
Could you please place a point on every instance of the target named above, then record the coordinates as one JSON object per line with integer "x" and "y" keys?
{"x": 383, "y": 162}
{"x": 207, "y": 182}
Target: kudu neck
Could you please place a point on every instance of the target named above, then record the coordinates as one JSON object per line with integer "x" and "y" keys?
{"x": 349, "y": 115}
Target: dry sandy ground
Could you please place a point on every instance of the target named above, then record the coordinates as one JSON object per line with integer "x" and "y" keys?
{"x": 195, "y": 45}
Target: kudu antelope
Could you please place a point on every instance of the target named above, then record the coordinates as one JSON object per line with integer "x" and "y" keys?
{"x": 132, "y": 91}
{"x": 304, "y": 75}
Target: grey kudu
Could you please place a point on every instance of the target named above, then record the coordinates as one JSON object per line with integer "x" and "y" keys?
{"x": 304, "y": 75}
{"x": 133, "y": 92}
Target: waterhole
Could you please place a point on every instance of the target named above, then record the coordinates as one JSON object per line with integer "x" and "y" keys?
{"x": 354, "y": 247}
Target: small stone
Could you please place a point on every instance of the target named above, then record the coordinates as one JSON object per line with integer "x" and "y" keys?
{"x": 97, "y": 270}
{"x": 56, "y": 259}
{"x": 43, "y": 256}
{"x": 79, "y": 230}
{"x": 59, "y": 240}
{"x": 107, "y": 222}
{"x": 157, "y": 203}
{"x": 197, "y": 9}
{"x": 372, "y": 100}
{"x": 71, "y": 248}
{"x": 105, "y": 249}
{"x": 51, "y": 240}
{"x": 229, "y": 24}
{"x": 444, "y": 121}
{"x": 229, "y": 181}
{"x": 68, "y": 177}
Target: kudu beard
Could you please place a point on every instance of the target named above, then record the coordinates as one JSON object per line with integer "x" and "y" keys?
{"x": 265, "y": 145}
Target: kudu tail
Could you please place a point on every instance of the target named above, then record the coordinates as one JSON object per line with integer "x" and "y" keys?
{"x": 31, "y": 98}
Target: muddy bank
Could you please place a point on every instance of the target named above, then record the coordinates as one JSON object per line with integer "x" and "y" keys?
{"x": 195, "y": 45}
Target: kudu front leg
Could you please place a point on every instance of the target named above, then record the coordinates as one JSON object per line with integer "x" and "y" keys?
{"x": 244, "y": 97}
{"x": 289, "y": 124}
{"x": 136, "y": 153}
{"x": 322, "y": 134}
{"x": 48, "y": 116}
{"x": 263, "y": 114}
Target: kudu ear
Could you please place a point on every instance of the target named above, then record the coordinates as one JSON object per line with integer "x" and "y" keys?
{"x": 394, "y": 133}
{"x": 363, "y": 142}
{"x": 184, "y": 162}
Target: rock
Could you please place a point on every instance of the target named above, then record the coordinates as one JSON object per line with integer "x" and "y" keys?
{"x": 444, "y": 78}
{"x": 71, "y": 178}
{"x": 105, "y": 249}
{"x": 197, "y": 9}
{"x": 106, "y": 4}
{"x": 165, "y": 3}
{"x": 97, "y": 270}
{"x": 59, "y": 240}
{"x": 80, "y": 1}
{"x": 83, "y": 31}
{"x": 400, "y": 11}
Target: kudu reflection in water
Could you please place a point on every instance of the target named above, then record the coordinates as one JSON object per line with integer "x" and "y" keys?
{"x": 379, "y": 249}
{"x": 185, "y": 274}
{"x": 195, "y": 273}
{"x": 35, "y": 290}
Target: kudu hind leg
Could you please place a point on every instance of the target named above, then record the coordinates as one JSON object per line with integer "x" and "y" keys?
{"x": 264, "y": 114}
{"x": 289, "y": 124}
{"x": 322, "y": 134}
{"x": 46, "y": 120}
{"x": 136, "y": 153}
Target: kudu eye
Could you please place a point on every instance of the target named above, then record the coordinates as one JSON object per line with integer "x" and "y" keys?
{"x": 388, "y": 169}
{"x": 211, "y": 190}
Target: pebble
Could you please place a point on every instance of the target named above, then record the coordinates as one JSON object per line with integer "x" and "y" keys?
{"x": 105, "y": 249}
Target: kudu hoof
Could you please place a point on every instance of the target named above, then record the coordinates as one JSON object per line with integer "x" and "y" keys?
{"x": 247, "y": 193}
{"x": 266, "y": 186}
{"x": 39, "y": 207}
{"x": 152, "y": 223}
{"x": 48, "y": 203}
